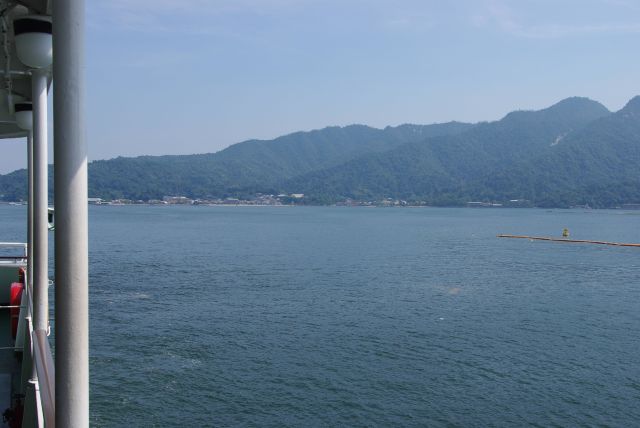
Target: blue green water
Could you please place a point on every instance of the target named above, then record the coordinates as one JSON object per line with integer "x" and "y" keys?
{"x": 217, "y": 316}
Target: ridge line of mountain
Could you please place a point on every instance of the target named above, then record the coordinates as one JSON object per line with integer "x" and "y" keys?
{"x": 548, "y": 157}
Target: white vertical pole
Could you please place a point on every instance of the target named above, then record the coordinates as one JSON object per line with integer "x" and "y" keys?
{"x": 30, "y": 211}
{"x": 72, "y": 260}
{"x": 22, "y": 321}
{"x": 41, "y": 202}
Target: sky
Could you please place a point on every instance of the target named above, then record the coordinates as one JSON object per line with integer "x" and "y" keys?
{"x": 194, "y": 76}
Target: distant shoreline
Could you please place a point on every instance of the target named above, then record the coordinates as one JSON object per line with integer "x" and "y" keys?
{"x": 344, "y": 206}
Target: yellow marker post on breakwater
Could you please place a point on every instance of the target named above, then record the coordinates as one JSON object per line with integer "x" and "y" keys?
{"x": 571, "y": 241}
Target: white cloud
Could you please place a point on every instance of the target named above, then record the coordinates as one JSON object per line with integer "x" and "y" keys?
{"x": 556, "y": 31}
{"x": 190, "y": 7}
{"x": 511, "y": 18}
{"x": 201, "y": 17}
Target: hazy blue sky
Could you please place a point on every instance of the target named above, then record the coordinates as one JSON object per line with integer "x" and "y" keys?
{"x": 193, "y": 76}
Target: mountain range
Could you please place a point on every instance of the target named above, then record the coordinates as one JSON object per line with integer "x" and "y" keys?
{"x": 573, "y": 153}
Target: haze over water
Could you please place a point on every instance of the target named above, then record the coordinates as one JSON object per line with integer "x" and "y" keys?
{"x": 204, "y": 316}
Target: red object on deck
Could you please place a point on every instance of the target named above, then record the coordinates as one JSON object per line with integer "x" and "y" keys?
{"x": 16, "y": 298}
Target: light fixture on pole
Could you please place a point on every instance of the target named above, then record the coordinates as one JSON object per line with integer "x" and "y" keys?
{"x": 24, "y": 115}
{"x": 33, "y": 38}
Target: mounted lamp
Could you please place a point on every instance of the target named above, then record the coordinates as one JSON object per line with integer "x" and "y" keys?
{"x": 33, "y": 40}
{"x": 24, "y": 115}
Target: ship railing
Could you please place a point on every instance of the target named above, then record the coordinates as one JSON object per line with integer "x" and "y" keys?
{"x": 9, "y": 258}
{"x": 37, "y": 386}
{"x": 46, "y": 375}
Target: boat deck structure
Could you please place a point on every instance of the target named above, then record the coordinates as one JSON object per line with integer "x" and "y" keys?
{"x": 37, "y": 390}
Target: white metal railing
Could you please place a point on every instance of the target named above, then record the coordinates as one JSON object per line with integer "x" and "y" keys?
{"x": 10, "y": 259}
{"x": 14, "y": 245}
{"x": 37, "y": 386}
{"x": 42, "y": 369}
{"x": 46, "y": 372}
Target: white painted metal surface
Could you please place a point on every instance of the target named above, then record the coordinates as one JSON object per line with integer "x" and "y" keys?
{"x": 72, "y": 261}
{"x": 30, "y": 207}
{"x": 19, "y": 83}
{"x": 41, "y": 202}
{"x": 30, "y": 386}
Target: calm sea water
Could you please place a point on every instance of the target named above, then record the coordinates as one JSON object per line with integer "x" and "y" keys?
{"x": 214, "y": 316}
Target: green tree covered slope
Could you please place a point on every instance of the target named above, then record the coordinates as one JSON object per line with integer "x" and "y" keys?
{"x": 574, "y": 152}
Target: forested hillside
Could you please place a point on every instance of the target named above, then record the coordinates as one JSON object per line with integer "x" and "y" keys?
{"x": 574, "y": 152}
